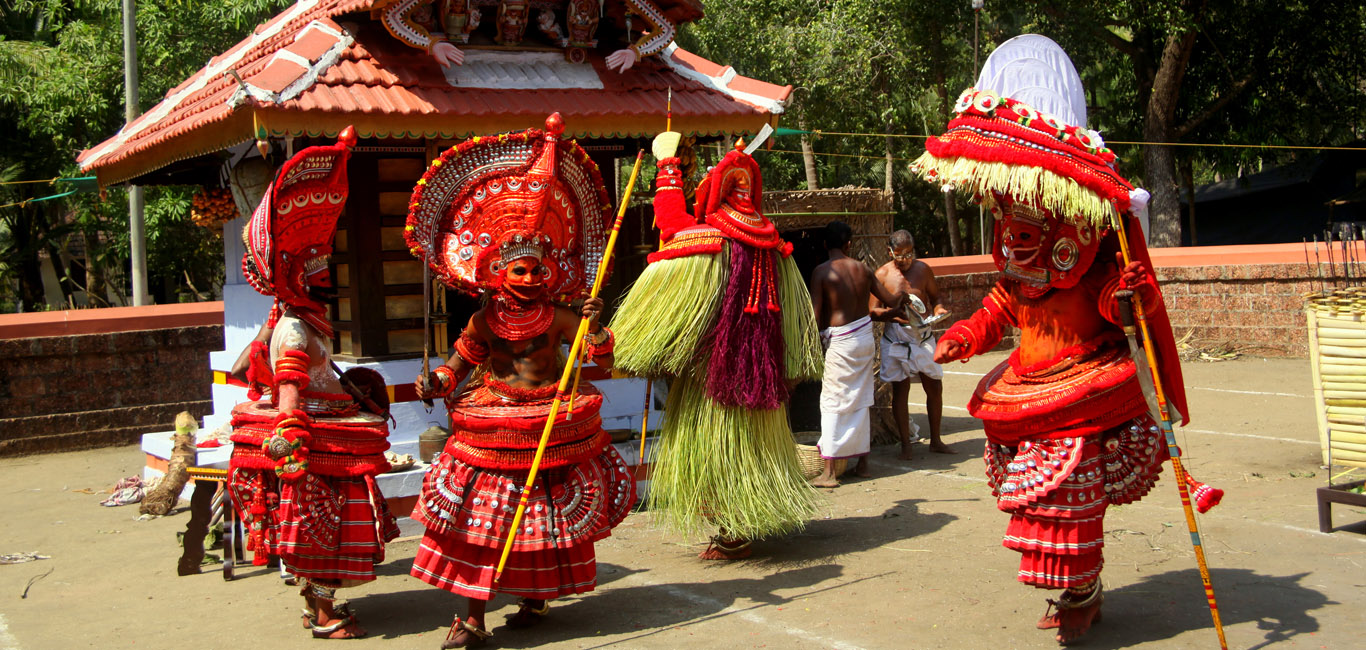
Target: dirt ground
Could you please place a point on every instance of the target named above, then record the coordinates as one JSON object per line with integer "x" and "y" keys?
{"x": 909, "y": 559}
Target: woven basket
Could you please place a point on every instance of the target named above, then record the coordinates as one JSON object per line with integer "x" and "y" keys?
{"x": 809, "y": 455}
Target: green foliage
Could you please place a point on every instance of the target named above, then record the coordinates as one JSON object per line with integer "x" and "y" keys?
{"x": 1257, "y": 73}
{"x": 62, "y": 91}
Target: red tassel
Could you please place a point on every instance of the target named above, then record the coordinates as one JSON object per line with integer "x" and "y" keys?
{"x": 1205, "y": 496}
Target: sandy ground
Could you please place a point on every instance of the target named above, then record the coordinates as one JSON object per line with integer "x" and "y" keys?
{"x": 908, "y": 559}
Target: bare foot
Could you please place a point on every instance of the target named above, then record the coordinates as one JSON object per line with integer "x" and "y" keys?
{"x": 1073, "y": 623}
{"x": 342, "y": 628}
{"x": 906, "y": 452}
{"x": 825, "y": 481}
{"x": 464, "y": 634}
{"x": 861, "y": 469}
{"x": 941, "y": 448}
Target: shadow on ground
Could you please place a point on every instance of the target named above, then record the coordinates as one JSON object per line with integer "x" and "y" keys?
{"x": 799, "y": 561}
{"x": 1159, "y": 607}
{"x": 610, "y": 610}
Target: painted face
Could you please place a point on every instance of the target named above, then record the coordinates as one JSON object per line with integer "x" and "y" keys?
{"x": 525, "y": 278}
{"x": 736, "y": 185}
{"x": 902, "y": 256}
{"x": 1042, "y": 251}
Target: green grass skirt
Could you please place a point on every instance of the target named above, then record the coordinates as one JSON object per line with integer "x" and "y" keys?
{"x": 660, "y": 323}
{"x": 732, "y": 468}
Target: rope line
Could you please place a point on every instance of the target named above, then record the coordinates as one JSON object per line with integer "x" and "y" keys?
{"x": 818, "y": 133}
{"x": 25, "y": 202}
{"x": 50, "y": 180}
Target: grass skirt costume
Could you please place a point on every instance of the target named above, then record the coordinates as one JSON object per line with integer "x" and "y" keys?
{"x": 471, "y": 492}
{"x": 724, "y": 314}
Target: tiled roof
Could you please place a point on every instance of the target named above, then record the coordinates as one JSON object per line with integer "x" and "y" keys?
{"x": 319, "y": 66}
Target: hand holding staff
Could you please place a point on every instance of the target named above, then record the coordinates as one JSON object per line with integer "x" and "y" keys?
{"x": 1173, "y": 450}
{"x": 560, "y": 392}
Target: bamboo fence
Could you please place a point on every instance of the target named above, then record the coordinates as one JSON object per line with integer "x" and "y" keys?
{"x": 1337, "y": 353}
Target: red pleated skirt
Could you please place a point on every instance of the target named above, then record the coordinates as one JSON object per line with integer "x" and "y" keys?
{"x": 1057, "y": 489}
{"x": 468, "y": 512}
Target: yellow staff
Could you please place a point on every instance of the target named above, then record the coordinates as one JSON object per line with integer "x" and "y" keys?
{"x": 568, "y": 371}
{"x": 1172, "y": 449}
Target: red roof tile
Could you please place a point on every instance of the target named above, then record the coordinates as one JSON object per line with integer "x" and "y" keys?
{"x": 314, "y": 69}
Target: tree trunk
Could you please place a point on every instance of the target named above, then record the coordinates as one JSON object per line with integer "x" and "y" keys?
{"x": 161, "y": 499}
{"x": 951, "y": 216}
{"x": 1164, "y": 211}
{"x": 809, "y": 162}
{"x": 31, "y": 294}
{"x": 889, "y": 127}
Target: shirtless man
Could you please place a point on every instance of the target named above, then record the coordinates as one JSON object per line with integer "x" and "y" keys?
{"x": 495, "y": 427}
{"x": 905, "y": 356}
{"x": 840, "y": 290}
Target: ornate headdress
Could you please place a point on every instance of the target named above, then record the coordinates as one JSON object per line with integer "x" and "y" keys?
{"x": 720, "y": 182}
{"x": 1018, "y": 145}
{"x": 289, "y": 237}
{"x": 490, "y": 200}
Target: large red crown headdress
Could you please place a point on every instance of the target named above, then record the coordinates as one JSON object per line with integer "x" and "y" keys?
{"x": 1020, "y": 132}
{"x": 289, "y": 236}
{"x": 492, "y": 199}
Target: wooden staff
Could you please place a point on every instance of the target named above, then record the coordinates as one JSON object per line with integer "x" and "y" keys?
{"x": 644, "y": 425}
{"x": 1172, "y": 449}
{"x": 564, "y": 376}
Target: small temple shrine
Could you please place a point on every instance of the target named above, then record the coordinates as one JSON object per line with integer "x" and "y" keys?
{"x": 414, "y": 77}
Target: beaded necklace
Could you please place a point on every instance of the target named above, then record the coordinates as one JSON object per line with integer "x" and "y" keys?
{"x": 514, "y": 320}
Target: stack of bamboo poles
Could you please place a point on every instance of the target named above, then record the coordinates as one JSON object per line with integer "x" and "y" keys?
{"x": 1337, "y": 353}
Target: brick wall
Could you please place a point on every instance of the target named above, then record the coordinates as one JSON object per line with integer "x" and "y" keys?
{"x": 1256, "y": 308}
{"x": 92, "y": 390}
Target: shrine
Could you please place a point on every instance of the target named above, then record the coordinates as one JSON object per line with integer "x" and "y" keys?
{"x": 413, "y": 77}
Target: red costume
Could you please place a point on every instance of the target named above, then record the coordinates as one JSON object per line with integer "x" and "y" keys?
{"x": 1069, "y": 431}
{"x": 483, "y": 208}
{"x": 304, "y": 459}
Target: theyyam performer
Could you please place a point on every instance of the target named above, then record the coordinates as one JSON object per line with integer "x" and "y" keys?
{"x": 1069, "y": 428}
{"x": 723, "y": 314}
{"x": 306, "y": 452}
{"x": 521, "y": 219}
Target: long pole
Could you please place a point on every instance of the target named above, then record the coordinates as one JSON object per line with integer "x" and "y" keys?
{"x": 1172, "y": 449}
{"x": 560, "y": 394}
{"x": 137, "y": 232}
{"x": 644, "y": 425}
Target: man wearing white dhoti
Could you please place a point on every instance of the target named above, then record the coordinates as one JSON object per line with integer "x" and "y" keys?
{"x": 840, "y": 291}
{"x": 847, "y": 390}
{"x": 907, "y": 342}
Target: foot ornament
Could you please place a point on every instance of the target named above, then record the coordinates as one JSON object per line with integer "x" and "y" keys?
{"x": 528, "y": 616}
{"x": 1075, "y": 614}
{"x": 464, "y": 635}
{"x": 721, "y": 548}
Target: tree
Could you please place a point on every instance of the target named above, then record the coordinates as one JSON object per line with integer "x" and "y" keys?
{"x": 61, "y": 91}
{"x": 1225, "y": 71}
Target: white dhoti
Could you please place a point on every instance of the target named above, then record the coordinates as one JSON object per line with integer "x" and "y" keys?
{"x": 906, "y": 356}
{"x": 847, "y": 389}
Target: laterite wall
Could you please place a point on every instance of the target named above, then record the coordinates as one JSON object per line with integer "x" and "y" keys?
{"x": 64, "y": 386}
{"x": 100, "y": 377}
{"x": 1249, "y": 297}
